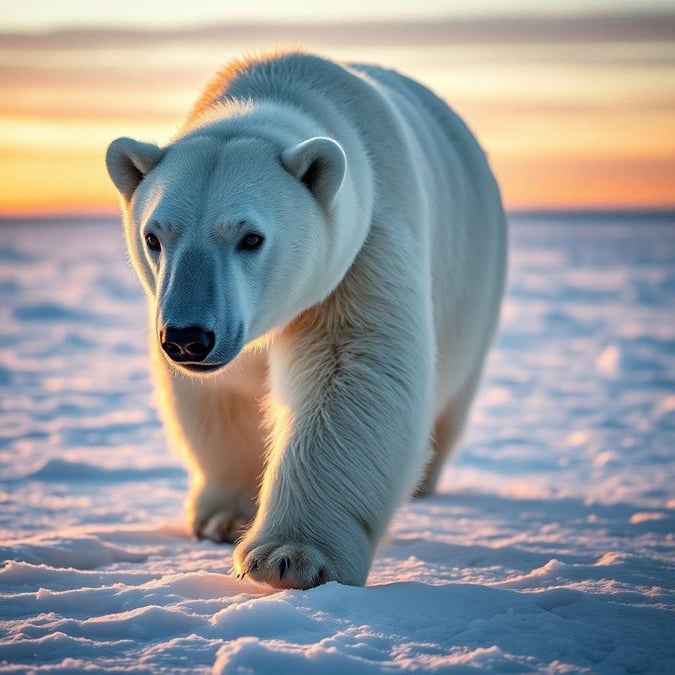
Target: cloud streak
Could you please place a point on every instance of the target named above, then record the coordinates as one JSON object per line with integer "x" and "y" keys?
{"x": 648, "y": 26}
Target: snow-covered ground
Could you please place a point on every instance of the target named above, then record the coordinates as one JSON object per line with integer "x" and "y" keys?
{"x": 550, "y": 546}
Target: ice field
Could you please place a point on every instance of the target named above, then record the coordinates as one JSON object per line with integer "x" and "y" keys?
{"x": 549, "y": 547}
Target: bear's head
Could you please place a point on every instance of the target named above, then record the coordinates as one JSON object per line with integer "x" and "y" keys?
{"x": 231, "y": 239}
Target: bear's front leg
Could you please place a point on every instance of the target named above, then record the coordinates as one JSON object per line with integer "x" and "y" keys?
{"x": 350, "y": 409}
{"x": 215, "y": 424}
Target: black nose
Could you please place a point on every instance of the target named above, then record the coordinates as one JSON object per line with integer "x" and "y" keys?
{"x": 191, "y": 344}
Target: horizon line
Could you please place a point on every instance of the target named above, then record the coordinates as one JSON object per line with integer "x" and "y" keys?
{"x": 81, "y": 217}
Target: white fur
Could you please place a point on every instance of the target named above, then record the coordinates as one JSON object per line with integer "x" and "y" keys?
{"x": 354, "y": 337}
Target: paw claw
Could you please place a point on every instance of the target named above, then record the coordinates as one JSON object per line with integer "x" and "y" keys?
{"x": 321, "y": 577}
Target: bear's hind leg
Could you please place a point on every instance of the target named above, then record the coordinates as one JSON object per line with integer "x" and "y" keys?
{"x": 448, "y": 429}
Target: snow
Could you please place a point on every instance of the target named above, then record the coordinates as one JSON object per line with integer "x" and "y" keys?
{"x": 549, "y": 547}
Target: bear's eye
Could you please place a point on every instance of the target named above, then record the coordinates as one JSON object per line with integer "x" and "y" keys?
{"x": 250, "y": 242}
{"x": 152, "y": 242}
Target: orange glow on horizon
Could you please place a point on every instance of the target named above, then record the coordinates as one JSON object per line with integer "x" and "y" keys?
{"x": 589, "y": 127}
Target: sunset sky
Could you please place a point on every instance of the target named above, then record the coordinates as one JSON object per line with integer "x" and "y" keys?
{"x": 573, "y": 101}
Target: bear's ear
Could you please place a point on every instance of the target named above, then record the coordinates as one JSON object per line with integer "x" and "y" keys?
{"x": 129, "y": 161}
{"x": 320, "y": 163}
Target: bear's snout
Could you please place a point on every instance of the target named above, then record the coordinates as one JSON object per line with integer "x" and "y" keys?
{"x": 186, "y": 345}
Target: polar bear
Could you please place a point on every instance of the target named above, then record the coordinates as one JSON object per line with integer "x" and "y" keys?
{"x": 323, "y": 249}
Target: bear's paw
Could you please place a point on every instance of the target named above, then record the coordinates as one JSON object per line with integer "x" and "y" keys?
{"x": 282, "y": 565}
{"x": 221, "y": 527}
{"x": 219, "y": 515}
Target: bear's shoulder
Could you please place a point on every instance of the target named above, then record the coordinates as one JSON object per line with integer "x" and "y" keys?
{"x": 269, "y": 75}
